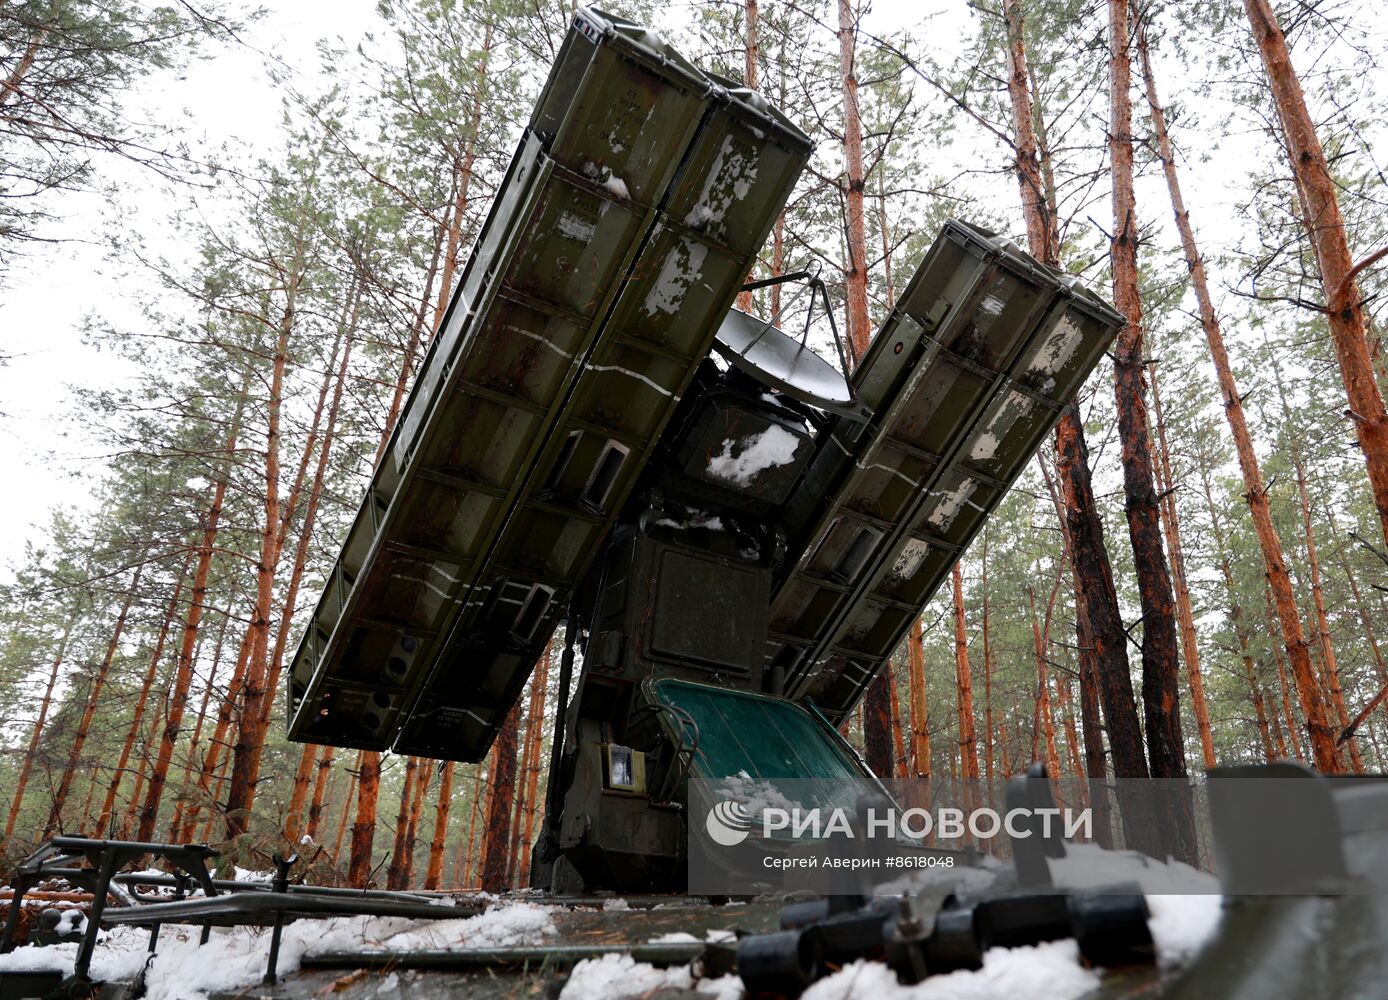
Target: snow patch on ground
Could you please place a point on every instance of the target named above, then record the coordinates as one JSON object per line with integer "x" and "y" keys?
{"x": 499, "y": 927}
{"x": 619, "y": 976}
{"x": 1086, "y": 866}
{"x": 770, "y": 449}
{"x": 614, "y": 976}
{"x": 235, "y": 957}
{"x": 684, "y": 937}
{"x": 1181, "y": 925}
{"x": 1049, "y": 970}
{"x": 119, "y": 955}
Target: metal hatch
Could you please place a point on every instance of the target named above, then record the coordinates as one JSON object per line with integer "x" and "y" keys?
{"x": 964, "y": 379}
{"x": 630, "y": 213}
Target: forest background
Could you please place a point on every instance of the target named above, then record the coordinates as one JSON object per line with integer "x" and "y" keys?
{"x": 227, "y": 234}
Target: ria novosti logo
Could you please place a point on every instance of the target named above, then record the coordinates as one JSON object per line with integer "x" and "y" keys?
{"x": 729, "y": 823}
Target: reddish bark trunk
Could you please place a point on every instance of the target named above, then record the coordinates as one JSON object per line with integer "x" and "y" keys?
{"x": 364, "y": 827}
{"x": 497, "y": 835}
{"x": 898, "y": 738}
{"x": 1090, "y": 566}
{"x": 183, "y": 671}
{"x": 294, "y": 816}
{"x": 1185, "y": 615}
{"x": 750, "y": 59}
{"x": 855, "y": 229}
{"x": 250, "y": 733}
{"x": 968, "y": 738}
{"x": 920, "y": 710}
{"x": 463, "y": 181}
{"x": 532, "y": 782}
{"x": 1045, "y": 728}
{"x": 320, "y": 784}
{"x": 433, "y": 876}
{"x": 987, "y": 683}
{"x": 186, "y": 784}
{"x": 1343, "y": 303}
{"x": 1160, "y": 660}
{"x": 84, "y": 725}
{"x": 27, "y": 763}
{"x": 108, "y": 807}
{"x": 395, "y": 874}
{"x": 1255, "y": 491}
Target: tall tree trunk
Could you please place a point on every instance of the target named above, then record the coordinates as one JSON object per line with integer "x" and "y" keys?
{"x": 877, "y": 725}
{"x": 1236, "y": 619}
{"x": 471, "y": 869}
{"x": 294, "y": 815}
{"x": 987, "y": 682}
{"x": 320, "y": 784}
{"x": 1255, "y": 492}
{"x": 465, "y": 161}
{"x": 1161, "y": 694}
{"x": 10, "y": 86}
{"x": 108, "y": 807}
{"x": 395, "y": 876}
{"x": 1072, "y": 736}
{"x": 1091, "y": 569}
{"x": 1365, "y": 619}
{"x": 183, "y": 671}
{"x": 421, "y": 788}
{"x": 364, "y": 826}
{"x": 497, "y": 835}
{"x": 433, "y": 876}
{"x": 898, "y": 737}
{"x": 212, "y": 764}
{"x": 855, "y": 230}
{"x": 250, "y": 734}
{"x": 920, "y": 719}
{"x": 1343, "y": 303}
{"x": 751, "y": 58}
{"x": 1287, "y": 711}
{"x": 968, "y": 739}
{"x": 26, "y": 763}
{"x": 186, "y": 783}
{"x": 1330, "y": 665}
{"x": 84, "y": 725}
{"x": 1185, "y": 615}
{"x": 353, "y": 781}
{"x": 1045, "y": 728}
{"x": 1096, "y": 761}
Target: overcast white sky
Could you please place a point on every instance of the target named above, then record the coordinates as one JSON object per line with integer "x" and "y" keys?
{"x": 231, "y": 99}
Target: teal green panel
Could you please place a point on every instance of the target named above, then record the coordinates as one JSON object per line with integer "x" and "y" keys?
{"x": 769, "y": 739}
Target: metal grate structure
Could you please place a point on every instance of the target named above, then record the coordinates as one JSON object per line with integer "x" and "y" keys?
{"x": 625, "y": 225}
{"x": 965, "y": 377}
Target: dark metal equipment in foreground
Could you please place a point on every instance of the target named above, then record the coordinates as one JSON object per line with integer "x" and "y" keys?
{"x": 734, "y": 533}
{"x": 1109, "y": 924}
{"x": 94, "y": 866}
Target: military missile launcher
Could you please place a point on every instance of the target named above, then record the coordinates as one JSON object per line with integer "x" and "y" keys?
{"x": 734, "y": 534}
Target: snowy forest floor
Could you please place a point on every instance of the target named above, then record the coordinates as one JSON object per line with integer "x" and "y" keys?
{"x": 1184, "y": 913}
